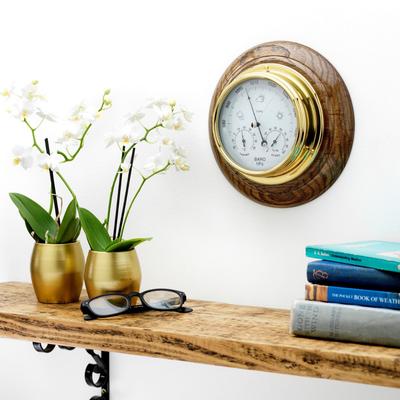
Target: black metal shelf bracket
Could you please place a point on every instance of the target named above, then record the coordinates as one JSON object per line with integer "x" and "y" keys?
{"x": 101, "y": 368}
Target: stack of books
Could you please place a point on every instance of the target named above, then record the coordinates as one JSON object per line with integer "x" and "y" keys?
{"x": 352, "y": 294}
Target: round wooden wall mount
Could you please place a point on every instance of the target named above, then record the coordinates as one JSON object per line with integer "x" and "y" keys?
{"x": 338, "y": 128}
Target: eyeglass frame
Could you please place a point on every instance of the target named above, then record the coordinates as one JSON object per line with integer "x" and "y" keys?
{"x": 90, "y": 314}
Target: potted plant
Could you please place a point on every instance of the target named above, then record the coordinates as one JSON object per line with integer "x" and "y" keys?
{"x": 112, "y": 264}
{"x": 57, "y": 262}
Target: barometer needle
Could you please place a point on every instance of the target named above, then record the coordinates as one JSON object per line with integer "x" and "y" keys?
{"x": 267, "y": 106}
{"x": 257, "y": 123}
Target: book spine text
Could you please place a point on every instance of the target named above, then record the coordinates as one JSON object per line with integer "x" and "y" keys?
{"x": 370, "y": 298}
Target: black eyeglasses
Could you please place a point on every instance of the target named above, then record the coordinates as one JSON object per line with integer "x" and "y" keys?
{"x": 109, "y": 305}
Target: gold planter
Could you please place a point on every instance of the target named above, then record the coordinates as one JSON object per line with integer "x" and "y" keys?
{"x": 117, "y": 272}
{"x": 57, "y": 272}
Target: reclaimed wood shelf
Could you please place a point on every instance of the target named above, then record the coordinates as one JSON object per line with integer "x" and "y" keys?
{"x": 228, "y": 335}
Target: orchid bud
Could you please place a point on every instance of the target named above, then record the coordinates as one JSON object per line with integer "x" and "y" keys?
{"x": 107, "y": 100}
{"x": 35, "y": 82}
{"x": 107, "y": 91}
{"x": 172, "y": 103}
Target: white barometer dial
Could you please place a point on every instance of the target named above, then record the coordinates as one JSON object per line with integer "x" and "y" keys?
{"x": 268, "y": 124}
{"x": 257, "y": 124}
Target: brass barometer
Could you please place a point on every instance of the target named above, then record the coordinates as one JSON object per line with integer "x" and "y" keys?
{"x": 281, "y": 124}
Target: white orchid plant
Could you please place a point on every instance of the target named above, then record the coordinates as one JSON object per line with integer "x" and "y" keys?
{"x": 30, "y": 103}
{"x": 127, "y": 135}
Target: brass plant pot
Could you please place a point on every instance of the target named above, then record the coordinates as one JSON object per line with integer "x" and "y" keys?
{"x": 57, "y": 272}
{"x": 117, "y": 272}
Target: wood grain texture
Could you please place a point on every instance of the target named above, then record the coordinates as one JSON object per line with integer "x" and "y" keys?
{"x": 214, "y": 333}
{"x": 338, "y": 124}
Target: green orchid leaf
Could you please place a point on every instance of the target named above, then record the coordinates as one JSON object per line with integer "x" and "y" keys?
{"x": 69, "y": 217}
{"x": 28, "y": 227}
{"x": 115, "y": 241}
{"x": 126, "y": 245}
{"x": 30, "y": 230}
{"x": 96, "y": 234}
{"x": 70, "y": 232}
{"x": 77, "y": 233}
{"x": 37, "y": 217}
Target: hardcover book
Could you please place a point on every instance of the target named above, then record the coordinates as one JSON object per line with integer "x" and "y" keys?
{"x": 345, "y": 323}
{"x": 372, "y": 254}
{"x": 332, "y": 273}
{"x": 361, "y": 297}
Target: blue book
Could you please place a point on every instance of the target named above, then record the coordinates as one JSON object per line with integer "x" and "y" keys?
{"x": 331, "y": 273}
{"x": 358, "y": 297}
{"x": 372, "y": 254}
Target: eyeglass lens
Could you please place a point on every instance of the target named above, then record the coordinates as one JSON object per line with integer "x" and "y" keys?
{"x": 107, "y": 305}
{"x": 162, "y": 299}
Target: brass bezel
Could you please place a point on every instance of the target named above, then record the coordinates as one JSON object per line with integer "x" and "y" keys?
{"x": 310, "y": 123}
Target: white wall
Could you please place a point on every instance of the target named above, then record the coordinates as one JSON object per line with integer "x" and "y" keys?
{"x": 209, "y": 240}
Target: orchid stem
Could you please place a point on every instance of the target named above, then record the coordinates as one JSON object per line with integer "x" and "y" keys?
{"x": 53, "y": 185}
{"x": 126, "y": 192}
{"x": 68, "y": 187}
{"x": 118, "y": 197}
{"x": 136, "y": 195}
{"x": 113, "y": 185}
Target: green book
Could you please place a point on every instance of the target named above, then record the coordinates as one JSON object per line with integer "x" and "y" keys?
{"x": 345, "y": 322}
{"x": 372, "y": 254}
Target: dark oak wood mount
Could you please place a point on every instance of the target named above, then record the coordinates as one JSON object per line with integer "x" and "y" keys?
{"x": 338, "y": 124}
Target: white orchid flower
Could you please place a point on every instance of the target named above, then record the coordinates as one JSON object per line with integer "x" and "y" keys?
{"x": 83, "y": 125}
{"x": 22, "y": 156}
{"x": 29, "y": 93}
{"x": 179, "y": 150}
{"x": 49, "y": 162}
{"x": 157, "y": 101}
{"x": 6, "y": 92}
{"x": 42, "y": 96}
{"x": 77, "y": 110}
{"x": 178, "y": 158}
{"x": 133, "y": 116}
{"x": 129, "y": 134}
{"x": 178, "y": 125}
{"x": 187, "y": 114}
{"x": 74, "y": 118}
{"x": 90, "y": 115}
{"x": 111, "y": 138}
{"x": 23, "y": 111}
{"x": 13, "y": 110}
{"x": 156, "y": 163}
{"x": 184, "y": 167}
{"x": 124, "y": 167}
{"x": 46, "y": 114}
{"x": 126, "y": 135}
{"x": 68, "y": 137}
{"x": 166, "y": 116}
{"x": 166, "y": 140}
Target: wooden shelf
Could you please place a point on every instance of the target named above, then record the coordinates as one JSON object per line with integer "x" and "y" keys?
{"x": 214, "y": 333}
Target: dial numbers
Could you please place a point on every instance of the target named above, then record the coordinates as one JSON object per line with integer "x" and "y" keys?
{"x": 257, "y": 124}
